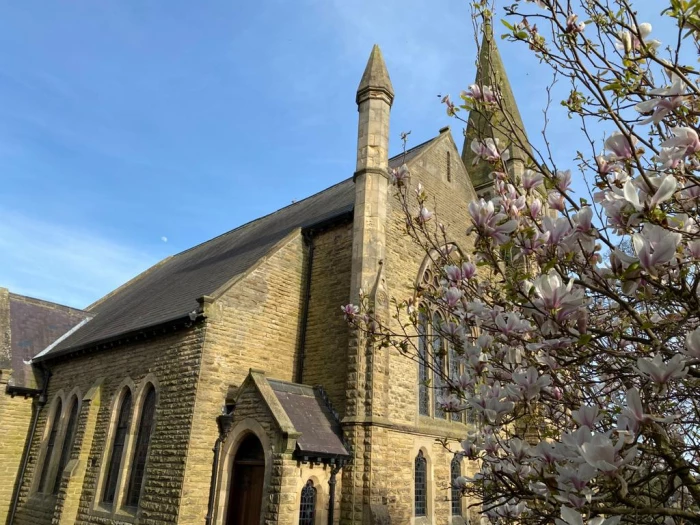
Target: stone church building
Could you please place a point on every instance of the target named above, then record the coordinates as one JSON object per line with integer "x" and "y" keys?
{"x": 223, "y": 387}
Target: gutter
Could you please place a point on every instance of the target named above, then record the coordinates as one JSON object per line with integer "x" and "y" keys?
{"x": 39, "y": 404}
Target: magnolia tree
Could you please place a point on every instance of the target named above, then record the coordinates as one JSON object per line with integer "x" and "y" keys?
{"x": 576, "y": 317}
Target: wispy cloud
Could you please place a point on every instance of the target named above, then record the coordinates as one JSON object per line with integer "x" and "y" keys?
{"x": 64, "y": 265}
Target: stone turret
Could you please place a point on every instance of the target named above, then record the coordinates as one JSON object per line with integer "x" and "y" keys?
{"x": 375, "y": 95}
{"x": 491, "y": 72}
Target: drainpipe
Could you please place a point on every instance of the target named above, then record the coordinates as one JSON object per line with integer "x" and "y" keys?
{"x": 331, "y": 489}
{"x": 224, "y": 422}
{"x": 40, "y": 402}
{"x": 309, "y": 240}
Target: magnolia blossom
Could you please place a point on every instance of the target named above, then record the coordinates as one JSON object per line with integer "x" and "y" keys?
{"x": 554, "y": 296}
{"x": 664, "y": 100}
{"x": 400, "y": 175}
{"x": 450, "y": 107}
{"x": 573, "y": 25}
{"x": 684, "y": 143}
{"x": 571, "y": 517}
{"x": 664, "y": 188}
{"x": 482, "y": 93}
{"x": 489, "y": 150}
{"x": 662, "y": 372}
{"x": 490, "y": 223}
{"x": 620, "y": 146}
{"x": 532, "y": 179}
{"x": 629, "y": 43}
{"x": 350, "y": 311}
{"x": 692, "y": 343}
{"x": 601, "y": 453}
{"x": 424, "y": 215}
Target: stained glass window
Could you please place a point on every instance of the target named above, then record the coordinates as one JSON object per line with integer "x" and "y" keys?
{"x": 68, "y": 440}
{"x": 307, "y": 510}
{"x": 423, "y": 370}
{"x": 43, "y": 478}
{"x": 138, "y": 468}
{"x": 115, "y": 456}
{"x": 456, "y": 472}
{"x": 421, "y": 485}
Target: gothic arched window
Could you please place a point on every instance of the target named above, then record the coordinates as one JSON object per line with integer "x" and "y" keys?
{"x": 456, "y": 495}
{"x": 50, "y": 444}
{"x": 145, "y": 429}
{"x": 117, "y": 450}
{"x": 423, "y": 370}
{"x": 307, "y": 508}
{"x": 420, "y": 480}
{"x": 68, "y": 440}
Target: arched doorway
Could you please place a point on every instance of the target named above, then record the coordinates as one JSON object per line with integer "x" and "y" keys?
{"x": 246, "y": 487}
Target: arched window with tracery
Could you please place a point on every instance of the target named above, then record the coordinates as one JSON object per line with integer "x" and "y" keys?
{"x": 143, "y": 440}
{"x": 307, "y": 507}
{"x": 437, "y": 359}
{"x": 50, "y": 444}
{"x": 420, "y": 490}
{"x": 117, "y": 450}
{"x": 456, "y": 494}
{"x": 68, "y": 440}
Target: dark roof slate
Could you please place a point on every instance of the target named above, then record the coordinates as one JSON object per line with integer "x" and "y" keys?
{"x": 312, "y": 416}
{"x": 169, "y": 290}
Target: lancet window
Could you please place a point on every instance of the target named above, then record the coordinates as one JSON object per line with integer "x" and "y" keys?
{"x": 50, "y": 445}
{"x": 420, "y": 492}
{"x": 68, "y": 440}
{"x": 145, "y": 429}
{"x": 307, "y": 509}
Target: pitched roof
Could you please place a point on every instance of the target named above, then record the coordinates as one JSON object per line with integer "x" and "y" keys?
{"x": 312, "y": 416}
{"x": 169, "y": 290}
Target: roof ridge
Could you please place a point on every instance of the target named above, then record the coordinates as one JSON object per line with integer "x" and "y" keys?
{"x": 262, "y": 217}
{"x": 296, "y": 202}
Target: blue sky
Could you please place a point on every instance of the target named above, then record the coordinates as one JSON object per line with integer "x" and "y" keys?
{"x": 126, "y": 123}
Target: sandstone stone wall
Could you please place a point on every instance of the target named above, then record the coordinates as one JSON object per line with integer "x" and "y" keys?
{"x": 171, "y": 362}
{"x": 15, "y": 419}
{"x": 325, "y": 361}
{"x": 386, "y": 443}
{"x": 253, "y": 324}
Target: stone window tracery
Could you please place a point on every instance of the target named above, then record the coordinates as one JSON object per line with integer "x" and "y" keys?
{"x": 437, "y": 359}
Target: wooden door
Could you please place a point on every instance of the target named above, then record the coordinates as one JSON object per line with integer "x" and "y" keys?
{"x": 246, "y": 487}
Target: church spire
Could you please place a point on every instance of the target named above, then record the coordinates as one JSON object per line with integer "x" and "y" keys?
{"x": 490, "y": 71}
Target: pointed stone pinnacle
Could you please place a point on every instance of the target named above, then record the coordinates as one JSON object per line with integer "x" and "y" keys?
{"x": 376, "y": 76}
{"x": 490, "y": 71}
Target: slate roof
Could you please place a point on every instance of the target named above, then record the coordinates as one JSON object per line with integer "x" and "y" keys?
{"x": 169, "y": 290}
{"x": 313, "y": 417}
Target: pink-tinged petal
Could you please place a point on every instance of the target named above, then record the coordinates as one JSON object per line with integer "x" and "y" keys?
{"x": 666, "y": 190}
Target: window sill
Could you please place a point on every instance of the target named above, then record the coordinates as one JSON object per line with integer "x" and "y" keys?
{"x": 124, "y": 514}
{"x": 41, "y": 499}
